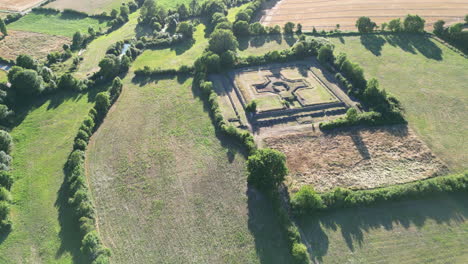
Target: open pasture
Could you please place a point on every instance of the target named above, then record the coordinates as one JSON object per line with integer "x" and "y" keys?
{"x": 168, "y": 190}
{"x": 428, "y": 78}
{"x": 327, "y": 14}
{"x": 180, "y": 54}
{"x": 356, "y": 158}
{"x": 35, "y": 44}
{"x": 258, "y": 45}
{"x": 18, "y": 5}
{"x": 60, "y": 25}
{"x": 44, "y": 229}
{"x": 431, "y": 230}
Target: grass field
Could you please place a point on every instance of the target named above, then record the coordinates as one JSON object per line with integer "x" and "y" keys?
{"x": 262, "y": 44}
{"x": 96, "y": 50}
{"x": 3, "y": 76}
{"x": 37, "y": 45}
{"x": 43, "y": 231}
{"x": 326, "y": 14}
{"x": 181, "y": 54}
{"x": 422, "y": 231}
{"x": 55, "y": 24}
{"x": 428, "y": 78}
{"x": 168, "y": 190}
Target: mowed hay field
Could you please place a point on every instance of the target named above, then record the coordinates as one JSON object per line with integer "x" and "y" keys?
{"x": 34, "y": 44}
{"x": 60, "y": 25}
{"x": 168, "y": 190}
{"x": 326, "y": 14}
{"x": 429, "y": 79}
{"x": 432, "y": 230}
{"x": 43, "y": 229}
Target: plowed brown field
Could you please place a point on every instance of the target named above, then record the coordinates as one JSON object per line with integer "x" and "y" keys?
{"x": 325, "y": 14}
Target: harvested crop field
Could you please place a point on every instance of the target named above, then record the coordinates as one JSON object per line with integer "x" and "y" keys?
{"x": 326, "y": 14}
{"x": 35, "y": 44}
{"x": 18, "y": 5}
{"x": 358, "y": 158}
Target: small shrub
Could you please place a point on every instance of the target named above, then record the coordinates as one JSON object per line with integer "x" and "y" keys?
{"x": 76, "y": 158}
{"x": 251, "y": 107}
{"x": 306, "y": 200}
{"x": 299, "y": 253}
{"x": 5, "y": 160}
{"x": 80, "y": 144}
{"x": 6, "y": 180}
{"x": 5, "y": 141}
{"x": 5, "y": 195}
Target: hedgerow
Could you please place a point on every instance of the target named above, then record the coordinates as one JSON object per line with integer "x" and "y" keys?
{"x": 6, "y": 181}
{"x": 343, "y": 198}
{"x": 79, "y": 195}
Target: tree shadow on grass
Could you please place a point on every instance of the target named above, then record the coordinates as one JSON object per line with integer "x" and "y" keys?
{"x": 373, "y": 43}
{"x": 408, "y": 42}
{"x": 270, "y": 243}
{"x": 355, "y": 223}
{"x": 144, "y": 80}
{"x": 69, "y": 234}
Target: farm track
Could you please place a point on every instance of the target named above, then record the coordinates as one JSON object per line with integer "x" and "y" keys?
{"x": 327, "y": 14}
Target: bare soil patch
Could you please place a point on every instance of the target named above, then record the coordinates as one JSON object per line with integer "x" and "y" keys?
{"x": 35, "y": 44}
{"x": 18, "y": 5}
{"x": 325, "y": 14}
{"x": 358, "y": 158}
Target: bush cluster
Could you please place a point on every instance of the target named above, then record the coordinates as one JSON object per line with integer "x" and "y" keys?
{"x": 6, "y": 181}
{"x": 454, "y": 34}
{"x": 384, "y": 108}
{"x": 80, "y": 198}
{"x": 307, "y": 201}
{"x": 148, "y": 72}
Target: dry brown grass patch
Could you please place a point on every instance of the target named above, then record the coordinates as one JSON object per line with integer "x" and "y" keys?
{"x": 35, "y": 44}
{"x": 358, "y": 158}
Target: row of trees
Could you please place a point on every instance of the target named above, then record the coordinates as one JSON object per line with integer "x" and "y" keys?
{"x": 411, "y": 23}
{"x": 80, "y": 198}
{"x": 6, "y": 181}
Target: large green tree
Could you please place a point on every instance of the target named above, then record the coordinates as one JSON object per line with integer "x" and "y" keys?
{"x": 267, "y": 169}
{"x": 413, "y": 23}
{"x": 439, "y": 27}
{"x": 365, "y": 24}
{"x": 223, "y": 40}
{"x": 27, "y": 83}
